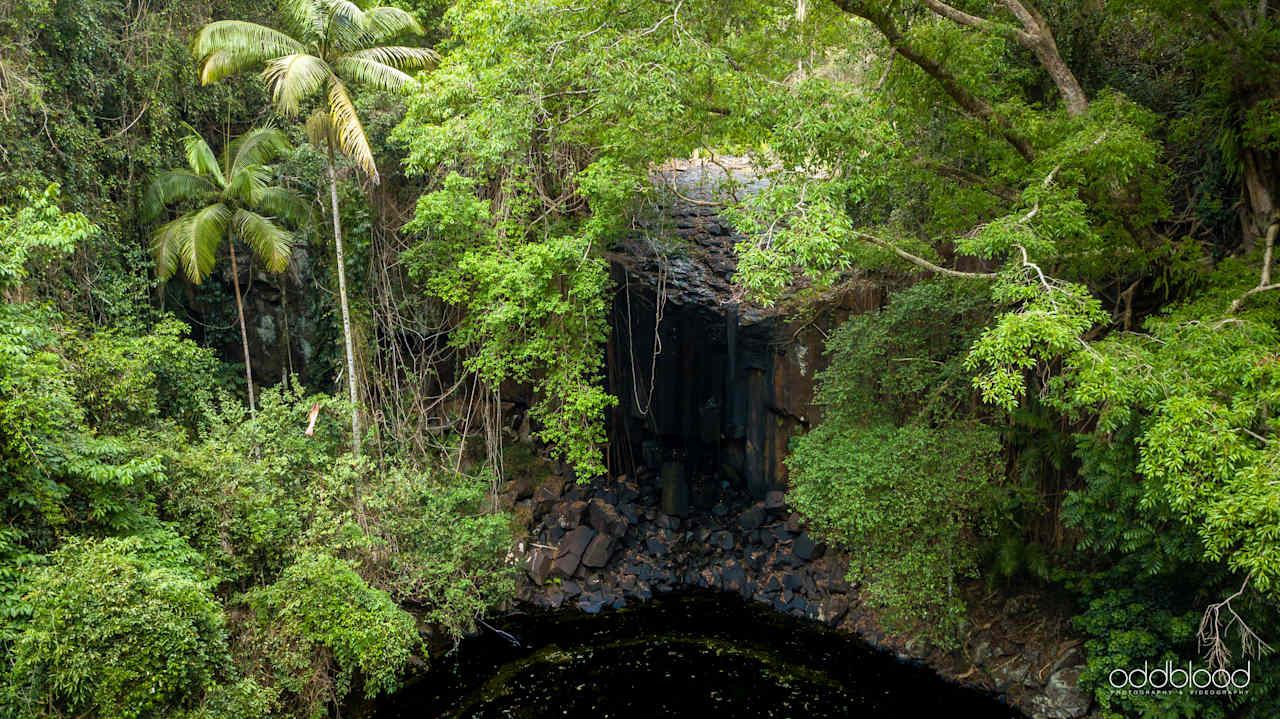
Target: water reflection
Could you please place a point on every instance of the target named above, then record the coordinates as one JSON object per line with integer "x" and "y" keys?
{"x": 702, "y": 654}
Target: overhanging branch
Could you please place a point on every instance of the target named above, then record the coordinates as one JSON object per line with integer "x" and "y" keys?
{"x": 951, "y": 85}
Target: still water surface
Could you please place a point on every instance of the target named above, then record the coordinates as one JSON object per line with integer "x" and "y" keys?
{"x": 701, "y": 654}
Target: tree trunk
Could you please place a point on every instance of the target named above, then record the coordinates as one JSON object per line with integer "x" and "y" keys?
{"x": 1039, "y": 40}
{"x": 342, "y": 300}
{"x": 1258, "y": 210}
{"x": 244, "y": 333}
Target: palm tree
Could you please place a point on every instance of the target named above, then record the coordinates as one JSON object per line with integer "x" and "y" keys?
{"x": 229, "y": 198}
{"x": 324, "y": 45}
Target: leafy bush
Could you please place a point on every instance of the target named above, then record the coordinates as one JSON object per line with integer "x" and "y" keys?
{"x": 428, "y": 538}
{"x": 128, "y": 379}
{"x": 907, "y": 502}
{"x": 894, "y": 471}
{"x": 319, "y": 626}
{"x": 120, "y": 628}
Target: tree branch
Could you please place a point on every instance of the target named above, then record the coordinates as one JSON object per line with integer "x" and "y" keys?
{"x": 1211, "y": 631}
{"x": 1035, "y": 36}
{"x": 1264, "y": 279}
{"x": 970, "y": 103}
{"x": 922, "y": 262}
{"x": 1038, "y": 38}
{"x": 963, "y": 18}
{"x": 971, "y": 178}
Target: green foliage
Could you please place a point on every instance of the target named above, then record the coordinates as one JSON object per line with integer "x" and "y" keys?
{"x": 534, "y": 310}
{"x": 907, "y": 502}
{"x": 319, "y": 624}
{"x": 36, "y": 233}
{"x": 323, "y": 47}
{"x": 128, "y": 380}
{"x": 229, "y": 197}
{"x": 896, "y": 472}
{"x": 423, "y": 536}
{"x": 120, "y": 628}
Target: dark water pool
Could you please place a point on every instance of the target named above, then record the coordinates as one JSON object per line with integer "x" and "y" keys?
{"x": 694, "y": 655}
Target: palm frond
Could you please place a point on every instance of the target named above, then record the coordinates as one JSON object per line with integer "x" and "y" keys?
{"x": 386, "y": 23}
{"x": 294, "y": 77}
{"x": 301, "y": 19}
{"x": 166, "y": 244}
{"x": 224, "y": 63}
{"x": 228, "y": 46}
{"x": 199, "y": 247}
{"x": 345, "y": 24}
{"x": 173, "y": 186}
{"x": 258, "y": 147}
{"x": 200, "y": 158}
{"x": 247, "y": 184}
{"x": 364, "y": 71}
{"x": 285, "y": 204}
{"x": 318, "y": 127}
{"x": 398, "y": 56}
{"x": 271, "y": 243}
{"x": 347, "y": 130}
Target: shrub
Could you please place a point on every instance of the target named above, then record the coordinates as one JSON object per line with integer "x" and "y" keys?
{"x": 319, "y": 627}
{"x": 120, "y": 628}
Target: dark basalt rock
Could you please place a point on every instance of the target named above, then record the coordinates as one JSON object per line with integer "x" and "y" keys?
{"x": 597, "y": 553}
{"x": 569, "y": 514}
{"x": 549, "y": 491}
{"x": 571, "y": 549}
{"x": 752, "y": 518}
{"x": 833, "y": 609}
{"x": 804, "y": 547}
{"x": 591, "y": 602}
{"x": 605, "y": 518}
{"x": 795, "y": 523}
{"x": 775, "y": 501}
{"x": 576, "y": 542}
{"x": 539, "y": 566}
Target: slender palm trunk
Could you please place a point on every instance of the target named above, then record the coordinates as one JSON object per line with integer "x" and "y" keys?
{"x": 342, "y": 299}
{"x": 244, "y": 333}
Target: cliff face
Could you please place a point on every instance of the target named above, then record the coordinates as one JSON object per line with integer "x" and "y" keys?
{"x": 711, "y": 390}
{"x": 703, "y": 375}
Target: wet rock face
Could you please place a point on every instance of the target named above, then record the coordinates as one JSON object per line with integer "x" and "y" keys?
{"x": 704, "y": 376}
{"x": 611, "y": 543}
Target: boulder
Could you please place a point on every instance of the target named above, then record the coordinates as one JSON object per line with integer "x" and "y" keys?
{"x": 795, "y": 523}
{"x": 656, "y": 547}
{"x": 570, "y": 514}
{"x": 832, "y": 609}
{"x": 591, "y": 602}
{"x": 775, "y": 501}
{"x": 549, "y": 490}
{"x": 598, "y": 551}
{"x": 1010, "y": 673}
{"x": 569, "y": 555}
{"x": 539, "y": 566}
{"x": 605, "y": 518}
{"x": 565, "y": 565}
{"x": 752, "y": 518}
{"x": 1062, "y": 697}
{"x": 734, "y": 577}
{"x": 521, "y": 487}
{"x": 804, "y": 547}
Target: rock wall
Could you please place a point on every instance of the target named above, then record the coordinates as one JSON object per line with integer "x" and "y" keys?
{"x": 703, "y": 376}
